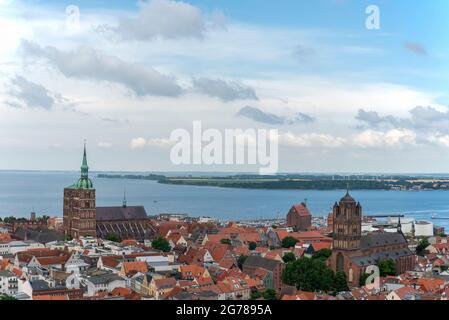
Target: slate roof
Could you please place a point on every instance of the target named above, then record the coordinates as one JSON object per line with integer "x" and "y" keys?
{"x": 6, "y": 273}
{"x": 121, "y": 213}
{"x": 381, "y": 239}
{"x": 39, "y": 236}
{"x": 259, "y": 262}
{"x": 39, "y": 285}
{"x": 375, "y": 257}
{"x": 103, "y": 279}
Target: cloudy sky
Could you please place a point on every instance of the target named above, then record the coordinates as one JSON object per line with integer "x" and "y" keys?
{"x": 126, "y": 74}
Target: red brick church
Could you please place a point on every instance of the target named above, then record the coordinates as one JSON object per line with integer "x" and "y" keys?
{"x": 353, "y": 252}
{"x": 299, "y": 217}
{"x": 83, "y": 218}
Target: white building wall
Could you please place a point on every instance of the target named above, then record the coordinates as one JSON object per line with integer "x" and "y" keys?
{"x": 423, "y": 229}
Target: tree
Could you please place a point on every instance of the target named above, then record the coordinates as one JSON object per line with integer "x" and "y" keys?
{"x": 241, "y": 260}
{"x": 225, "y": 241}
{"x": 269, "y": 294}
{"x": 289, "y": 257}
{"x": 308, "y": 275}
{"x": 363, "y": 277}
{"x": 255, "y": 295}
{"x": 340, "y": 283}
{"x": 9, "y": 220}
{"x": 289, "y": 242}
{"x": 323, "y": 254}
{"x": 161, "y": 243}
{"x": 1, "y": 219}
{"x": 421, "y": 247}
{"x": 44, "y": 218}
{"x": 113, "y": 237}
{"x": 252, "y": 246}
{"x": 387, "y": 267}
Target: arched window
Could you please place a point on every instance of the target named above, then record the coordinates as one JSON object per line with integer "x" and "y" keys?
{"x": 340, "y": 262}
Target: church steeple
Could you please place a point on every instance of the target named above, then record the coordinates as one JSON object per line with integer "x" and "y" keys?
{"x": 124, "y": 204}
{"x": 347, "y": 224}
{"x": 84, "y": 182}
{"x": 84, "y": 166}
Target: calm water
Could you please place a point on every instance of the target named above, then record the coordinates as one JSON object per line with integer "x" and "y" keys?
{"x": 22, "y": 192}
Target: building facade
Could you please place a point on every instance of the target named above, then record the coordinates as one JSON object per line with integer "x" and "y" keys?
{"x": 79, "y": 216}
{"x": 299, "y": 217}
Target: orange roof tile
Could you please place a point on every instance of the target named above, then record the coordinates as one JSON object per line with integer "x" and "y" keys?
{"x": 138, "y": 266}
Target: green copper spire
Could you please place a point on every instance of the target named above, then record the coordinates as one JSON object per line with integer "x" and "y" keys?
{"x": 84, "y": 182}
{"x": 84, "y": 166}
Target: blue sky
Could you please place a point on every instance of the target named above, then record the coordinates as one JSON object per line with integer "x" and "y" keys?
{"x": 125, "y": 75}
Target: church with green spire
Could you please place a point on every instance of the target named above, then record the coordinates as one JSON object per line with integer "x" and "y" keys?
{"x": 84, "y": 182}
{"x": 82, "y": 218}
{"x": 80, "y": 205}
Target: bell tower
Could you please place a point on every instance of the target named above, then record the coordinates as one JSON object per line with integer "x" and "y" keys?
{"x": 80, "y": 205}
{"x": 347, "y": 224}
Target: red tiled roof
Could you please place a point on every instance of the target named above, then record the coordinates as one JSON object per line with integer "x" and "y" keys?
{"x": 120, "y": 291}
{"x": 204, "y": 281}
{"x": 138, "y": 266}
{"x": 110, "y": 261}
{"x": 46, "y": 261}
{"x": 430, "y": 285}
{"x": 301, "y": 209}
{"x": 165, "y": 283}
{"x": 192, "y": 270}
{"x": 317, "y": 246}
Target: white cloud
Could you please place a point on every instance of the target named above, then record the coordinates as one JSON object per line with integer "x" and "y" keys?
{"x": 140, "y": 142}
{"x": 310, "y": 140}
{"x": 31, "y": 94}
{"x": 380, "y": 139}
{"x": 87, "y": 63}
{"x": 439, "y": 139}
{"x": 160, "y": 142}
{"x": 162, "y": 18}
{"x": 224, "y": 90}
{"x": 137, "y": 143}
{"x": 104, "y": 145}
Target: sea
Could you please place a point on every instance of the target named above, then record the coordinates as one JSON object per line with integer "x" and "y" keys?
{"x": 22, "y": 192}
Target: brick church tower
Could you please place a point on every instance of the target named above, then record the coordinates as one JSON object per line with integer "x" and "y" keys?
{"x": 79, "y": 205}
{"x": 347, "y": 232}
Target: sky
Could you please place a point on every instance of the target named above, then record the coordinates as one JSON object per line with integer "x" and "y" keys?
{"x": 123, "y": 75}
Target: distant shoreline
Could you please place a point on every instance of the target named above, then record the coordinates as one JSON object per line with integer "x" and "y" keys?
{"x": 297, "y": 182}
